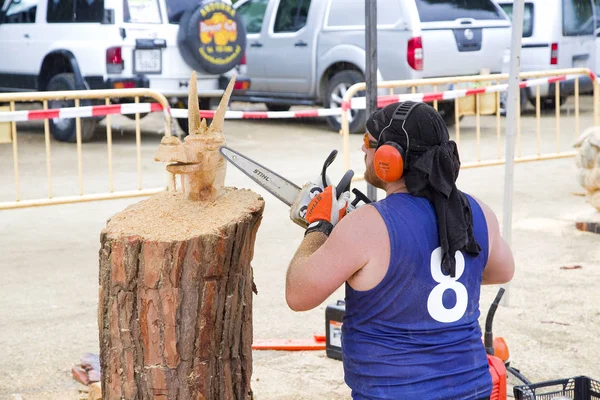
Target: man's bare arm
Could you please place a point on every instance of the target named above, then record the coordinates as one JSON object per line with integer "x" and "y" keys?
{"x": 500, "y": 266}
{"x": 311, "y": 243}
{"x": 322, "y": 264}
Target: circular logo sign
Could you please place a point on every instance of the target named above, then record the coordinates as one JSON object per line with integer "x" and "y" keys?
{"x": 218, "y": 33}
{"x": 469, "y": 34}
{"x": 212, "y": 36}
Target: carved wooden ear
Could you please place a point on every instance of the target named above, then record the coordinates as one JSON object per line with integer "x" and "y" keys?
{"x": 219, "y": 118}
{"x": 193, "y": 107}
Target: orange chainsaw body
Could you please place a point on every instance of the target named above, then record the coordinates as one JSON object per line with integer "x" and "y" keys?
{"x": 498, "y": 372}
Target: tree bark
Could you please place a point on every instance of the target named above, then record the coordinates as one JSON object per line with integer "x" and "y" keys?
{"x": 175, "y": 315}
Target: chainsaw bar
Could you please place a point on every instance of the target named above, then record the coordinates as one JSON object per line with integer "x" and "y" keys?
{"x": 274, "y": 183}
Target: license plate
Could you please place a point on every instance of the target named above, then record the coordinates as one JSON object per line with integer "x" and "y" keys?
{"x": 147, "y": 61}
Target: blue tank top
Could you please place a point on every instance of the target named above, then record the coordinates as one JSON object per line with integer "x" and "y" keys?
{"x": 416, "y": 334}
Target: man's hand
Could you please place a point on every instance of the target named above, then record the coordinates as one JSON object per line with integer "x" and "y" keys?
{"x": 309, "y": 191}
{"x": 325, "y": 210}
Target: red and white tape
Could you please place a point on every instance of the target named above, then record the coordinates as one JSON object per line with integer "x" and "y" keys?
{"x": 321, "y": 112}
{"x": 382, "y": 101}
{"x": 357, "y": 103}
{"x": 82, "y": 112}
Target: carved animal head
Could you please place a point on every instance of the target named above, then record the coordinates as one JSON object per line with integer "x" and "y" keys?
{"x": 197, "y": 159}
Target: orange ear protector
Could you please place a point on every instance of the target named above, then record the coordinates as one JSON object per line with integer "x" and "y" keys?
{"x": 390, "y": 157}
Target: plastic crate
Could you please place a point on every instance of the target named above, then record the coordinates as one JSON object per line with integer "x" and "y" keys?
{"x": 576, "y": 388}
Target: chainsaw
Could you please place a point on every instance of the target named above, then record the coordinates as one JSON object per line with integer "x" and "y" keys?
{"x": 287, "y": 191}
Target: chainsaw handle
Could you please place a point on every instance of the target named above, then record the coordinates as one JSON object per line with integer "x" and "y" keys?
{"x": 344, "y": 184}
{"x": 360, "y": 196}
{"x": 327, "y": 163}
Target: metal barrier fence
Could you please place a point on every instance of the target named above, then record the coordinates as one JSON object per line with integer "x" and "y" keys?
{"x": 106, "y": 110}
{"x": 491, "y": 79}
{"x": 488, "y": 85}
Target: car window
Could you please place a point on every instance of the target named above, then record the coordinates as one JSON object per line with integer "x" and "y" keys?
{"x": 89, "y": 10}
{"x": 253, "y": 14}
{"x": 578, "y": 18}
{"x": 291, "y": 15}
{"x": 141, "y": 12}
{"x": 21, "y": 12}
{"x": 175, "y": 9}
{"x": 352, "y": 13}
{"x": 68, "y": 11}
{"x": 527, "y": 17}
{"x": 450, "y": 10}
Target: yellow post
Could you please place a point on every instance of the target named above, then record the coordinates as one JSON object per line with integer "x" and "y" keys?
{"x": 48, "y": 154}
{"x": 5, "y": 136}
{"x": 498, "y": 124}
{"x": 111, "y": 185}
{"x": 557, "y": 109}
{"x": 538, "y": 119}
{"x": 13, "y": 129}
{"x": 576, "y": 107}
{"x": 478, "y": 127}
{"x": 457, "y": 121}
{"x": 138, "y": 145}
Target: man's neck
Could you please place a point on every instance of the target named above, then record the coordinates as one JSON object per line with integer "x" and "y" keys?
{"x": 398, "y": 186}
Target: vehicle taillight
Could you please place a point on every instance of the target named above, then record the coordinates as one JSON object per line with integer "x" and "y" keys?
{"x": 114, "y": 60}
{"x": 243, "y": 60}
{"x": 241, "y": 85}
{"x": 554, "y": 54}
{"x": 414, "y": 53}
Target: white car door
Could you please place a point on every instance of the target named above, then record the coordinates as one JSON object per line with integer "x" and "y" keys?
{"x": 19, "y": 66}
{"x": 291, "y": 41}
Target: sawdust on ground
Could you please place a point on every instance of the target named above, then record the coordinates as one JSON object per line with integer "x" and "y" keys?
{"x": 170, "y": 216}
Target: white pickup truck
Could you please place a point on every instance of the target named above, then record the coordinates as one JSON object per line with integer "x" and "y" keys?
{"x": 49, "y": 45}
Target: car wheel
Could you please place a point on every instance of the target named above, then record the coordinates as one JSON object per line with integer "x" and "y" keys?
{"x": 334, "y": 93}
{"x": 196, "y": 46}
{"x": 64, "y": 129}
{"x": 523, "y": 98}
{"x": 183, "y": 122}
{"x": 549, "y": 103}
{"x": 447, "y": 109}
{"x": 278, "y": 107}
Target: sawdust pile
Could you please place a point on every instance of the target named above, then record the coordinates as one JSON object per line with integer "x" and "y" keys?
{"x": 169, "y": 216}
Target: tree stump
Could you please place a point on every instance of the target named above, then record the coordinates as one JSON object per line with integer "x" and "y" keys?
{"x": 175, "y": 308}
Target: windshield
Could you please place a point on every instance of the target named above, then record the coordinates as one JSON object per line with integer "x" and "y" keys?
{"x": 141, "y": 11}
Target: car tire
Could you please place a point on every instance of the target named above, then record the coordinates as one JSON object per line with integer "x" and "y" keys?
{"x": 447, "y": 109}
{"x": 65, "y": 129}
{"x": 198, "y": 51}
{"x": 183, "y": 122}
{"x": 278, "y": 107}
{"x": 523, "y": 98}
{"x": 549, "y": 103}
{"x": 336, "y": 87}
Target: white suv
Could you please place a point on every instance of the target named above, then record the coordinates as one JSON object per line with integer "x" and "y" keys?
{"x": 96, "y": 44}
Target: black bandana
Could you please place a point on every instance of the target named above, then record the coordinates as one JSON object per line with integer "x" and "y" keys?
{"x": 431, "y": 171}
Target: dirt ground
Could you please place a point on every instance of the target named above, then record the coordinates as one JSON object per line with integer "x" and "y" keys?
{"x": 49, "y": 255}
